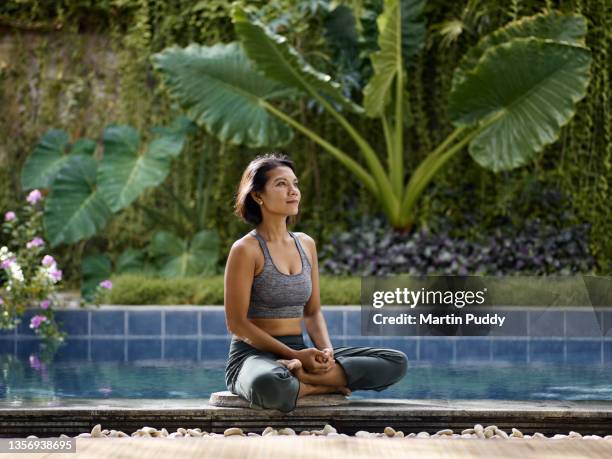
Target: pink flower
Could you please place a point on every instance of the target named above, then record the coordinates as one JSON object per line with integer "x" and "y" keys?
{"x": 36, "y": 242}
{"x": 107, "y": 284}
{"x": 37, "y": 320}
{"x": 34, "y": 197}
{"x": 9, "y": 216}
{"x": 44, "y": 304}
{"x": 56, "y": 274}
{"x": 48, "y": 260}
{"x": 7, "y": 263}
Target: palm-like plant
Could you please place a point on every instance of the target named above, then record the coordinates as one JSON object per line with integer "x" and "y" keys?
{"x": 511, "y": 94}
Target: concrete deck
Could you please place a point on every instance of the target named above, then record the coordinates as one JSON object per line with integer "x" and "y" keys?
{"x": 78, "y": 416}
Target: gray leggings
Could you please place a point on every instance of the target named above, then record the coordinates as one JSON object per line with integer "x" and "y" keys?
{"x": 265, "y": 383}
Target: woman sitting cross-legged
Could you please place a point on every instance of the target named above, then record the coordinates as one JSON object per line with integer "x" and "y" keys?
{"x": 271, "y": 286}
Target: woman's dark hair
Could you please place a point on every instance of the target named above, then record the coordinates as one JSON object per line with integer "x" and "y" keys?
{"x": 254, "y": 178}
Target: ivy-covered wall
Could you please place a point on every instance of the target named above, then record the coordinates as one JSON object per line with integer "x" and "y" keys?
{"x": 80, "y": 65}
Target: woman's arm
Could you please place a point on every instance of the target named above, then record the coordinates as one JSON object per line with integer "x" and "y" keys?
{"x": 314, "y": 321}
{"x": 239, "y": 272}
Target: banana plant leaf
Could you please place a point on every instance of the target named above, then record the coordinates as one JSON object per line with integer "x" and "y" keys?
{"x": 555, "y": 26}
{"x": 94, "y": 269}
{"x": 219, "y": 89}
{"x": 75, "y": 209}
{"x": 176, "y": 257}
{"x": 279, "y": 61}
{"x": 126, "y": 171}
{"x": 49, "y": 156}
{"x": 521, "y": 92}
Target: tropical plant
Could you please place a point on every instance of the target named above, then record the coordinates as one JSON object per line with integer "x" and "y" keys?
{"x": 510, "y": 96}
{"x": 86, "y": 192}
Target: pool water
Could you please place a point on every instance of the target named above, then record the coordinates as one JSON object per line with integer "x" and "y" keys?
{"x": 198, "y": 380}
{"x": 25, "y": 378}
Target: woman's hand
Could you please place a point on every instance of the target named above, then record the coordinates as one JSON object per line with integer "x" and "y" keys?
{"x": 328, "y": 358}
{"x": 314, "y": 360}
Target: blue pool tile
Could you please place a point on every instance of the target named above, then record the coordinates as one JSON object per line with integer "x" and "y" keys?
{"x": 144, "y": 323}
{"x": 71, "y": 350}
{"x": 181, "y": 349}
{"x": 144, "y": 349}
{"x": 108, "y": 350}
{"x": 7, "y": 346}
{"x": 514, "y": 325}
{"x": 335, "y": 322}
{"x": 473, "y": 349}
{"x": 107, "y": 322}
{"x": 436, "y": 350}
{"x": 214, "y": 349}
{"x": 584, "y": 351}
{"x": 213, "y": 323}
{"x": 181, "y": 323}
{"x": 607, "y": 324}
{"x": 509, "y": 350}
{"x": 8, "y": 333}
{"x": 607, "y": 350}
{"x": 23, "y": 328}
{"x": 546, "y": 351}
{"x": 27, "y": 347}
{"x": 546, "y": 323}
{"x": 75, "y": 323}
{"x": 583, "y": 323}
{"x": 353, "y": 323}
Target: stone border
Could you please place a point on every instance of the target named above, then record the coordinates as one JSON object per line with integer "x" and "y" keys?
{"x": 77, "y": 416}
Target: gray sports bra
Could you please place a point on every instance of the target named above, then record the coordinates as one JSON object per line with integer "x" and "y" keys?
{"x": 278, "y": 295}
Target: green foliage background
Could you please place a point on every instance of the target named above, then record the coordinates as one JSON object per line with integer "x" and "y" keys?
{"x": 80, "y": 65}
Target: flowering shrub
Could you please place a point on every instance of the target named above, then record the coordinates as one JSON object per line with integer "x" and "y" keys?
{"x": 28, "y": 276}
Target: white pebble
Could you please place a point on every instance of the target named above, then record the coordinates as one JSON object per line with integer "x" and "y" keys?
{"x": 501, "y": 434}
{"x": 467, "y": 431}
{"x": 305, "y": 432}
{"x": 573, "y": 434}
{"x": 253, "y": 434}
{"x": 399, "y": 434}
{"x": 445, "y": 432}
{"x": 329, "y": 429}
{"x": 286, "y": 431}
{"x": 423, "y": 435}
{"x": 516, "y": 433}
{"x": 389, "y": 431}
{"x": 232, "y": 431}
{"x": 96, "y": 431}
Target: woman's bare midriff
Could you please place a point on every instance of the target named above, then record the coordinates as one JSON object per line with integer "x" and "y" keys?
{"x": 280, "y": 327}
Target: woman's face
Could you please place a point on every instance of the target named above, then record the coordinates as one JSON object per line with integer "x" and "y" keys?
{"x": 281, "y": 193}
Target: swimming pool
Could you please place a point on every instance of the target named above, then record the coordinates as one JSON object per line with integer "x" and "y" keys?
{"x": 439, "y": 368}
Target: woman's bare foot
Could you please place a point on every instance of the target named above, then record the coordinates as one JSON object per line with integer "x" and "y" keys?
{"x": 292, "y": 364}
{"x": 318, "y": 389}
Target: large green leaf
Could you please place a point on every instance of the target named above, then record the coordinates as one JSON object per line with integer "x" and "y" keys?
{"x": 218, "y": 88}
{"x": 177, "y": 258}
{"x": 132, "y": 261}
{"x": 49, "y": 155}
{"x": 126, "y": 171}
{"x": 279, "y": 61}
{"x": 522, "y": 91}
{"x": 94, "y": 269}
{"x": 75, "y": 209}
{"x": 401, "y": 34}
{"x": 565, "y": 28}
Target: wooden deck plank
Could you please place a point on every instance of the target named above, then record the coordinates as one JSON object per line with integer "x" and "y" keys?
{"x": 336, "y": 448}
